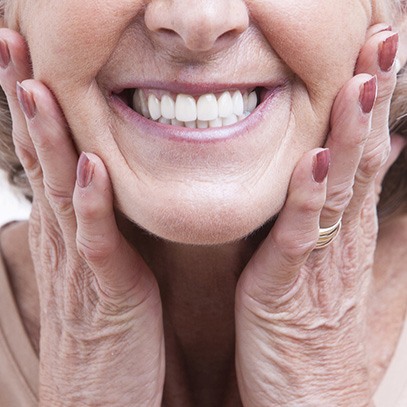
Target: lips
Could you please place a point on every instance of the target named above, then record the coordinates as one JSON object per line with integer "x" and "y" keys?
{"x": 195, "y": 112}
{"x": 200, "y": 111}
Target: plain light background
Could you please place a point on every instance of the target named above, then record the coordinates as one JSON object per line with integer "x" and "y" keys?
{"x": 12, "y": 206}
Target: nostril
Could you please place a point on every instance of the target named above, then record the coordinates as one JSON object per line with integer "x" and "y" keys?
{"x": 168, "y": 31}
{"x": 229, "y": 35}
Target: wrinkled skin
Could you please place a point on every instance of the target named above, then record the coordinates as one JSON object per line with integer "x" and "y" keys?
{"x": 101, "y": 310}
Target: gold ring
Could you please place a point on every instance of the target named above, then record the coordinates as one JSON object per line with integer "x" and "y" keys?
{"x": 327, "y": 235}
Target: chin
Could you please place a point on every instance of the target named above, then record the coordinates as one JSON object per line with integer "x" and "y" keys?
{"x": 202, "y": 222}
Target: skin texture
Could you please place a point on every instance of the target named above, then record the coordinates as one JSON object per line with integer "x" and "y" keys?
{"x": 294, "y": 307}
{"x": 244, "y": 179}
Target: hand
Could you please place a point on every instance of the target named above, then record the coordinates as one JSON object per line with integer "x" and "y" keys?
{"x": 301, "y": 312}
{"x": 101, "y": 320}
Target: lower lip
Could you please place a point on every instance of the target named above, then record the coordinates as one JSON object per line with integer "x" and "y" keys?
{"x": 185, "y": 134}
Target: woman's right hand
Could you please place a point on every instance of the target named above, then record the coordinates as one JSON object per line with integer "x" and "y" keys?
{"x": 102, "y": 339}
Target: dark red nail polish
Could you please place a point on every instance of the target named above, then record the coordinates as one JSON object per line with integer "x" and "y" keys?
{"x": 26, "y": 101}
{"x": 387, "y": 52}
{"x": 320, "y": 168}
{"x": 4, "y": 54}
{"x": 368, "y": 94}
{"x": 84, "y": 173}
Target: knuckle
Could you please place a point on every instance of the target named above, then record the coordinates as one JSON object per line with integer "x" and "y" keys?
{"x": 385, "y": 92}
{"x": 294, "y": 248}
{"x": 312, "y": 205}
{"x": 372, "y": 162}
{"x": 59, "y": 200}
{"x": 89, "y": 209}
{"x": 95, "y": 250}
{"x": 53, "y": 247}
{"x": 338, "y": 199}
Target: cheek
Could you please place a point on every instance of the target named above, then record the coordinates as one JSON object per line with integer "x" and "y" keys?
{"x": 75, "y": 38}
{"x": 318, "y": 40}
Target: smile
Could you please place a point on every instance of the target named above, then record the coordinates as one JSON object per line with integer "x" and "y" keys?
{"x": 196, "y": 112}
{"x": 209, "y": 110}
{"x": 205, "y": 111}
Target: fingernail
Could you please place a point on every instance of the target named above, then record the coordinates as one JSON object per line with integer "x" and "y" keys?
{"x": 368, "y": 94}
{"x": 26, "y": 101}
{"x": 320, "y": 168}
{"x": 4, "y": 54}
{"x": 85, "y": 170}
{"x": 387, "y": 52}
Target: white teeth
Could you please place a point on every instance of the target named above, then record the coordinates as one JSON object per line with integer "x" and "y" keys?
{"x": 185, "y": 108}
{"x": 207, "y": 107}
{"x": 225, "y": 105}
{"x": 167, "y": 107}
{"x": 216, "y": 123}
{"x": 163, "y": 120}
{"x": 232, "y": 119}
{"x": 176, "y": 122}
{"x": 202, "y": 124}
{"x": 243, "y": 116}
{"x": 185, "y": 111}
{"x": 154, "y": 107}
{"x": 252, "y": 102}
{"x": 245, "y": 101}
{"x": 238, "y": 107}
{"x": 140, "y": 103}
{"x": 191, "y": 124}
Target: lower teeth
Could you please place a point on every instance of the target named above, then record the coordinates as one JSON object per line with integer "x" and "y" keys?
{"x": 203, "y": 124}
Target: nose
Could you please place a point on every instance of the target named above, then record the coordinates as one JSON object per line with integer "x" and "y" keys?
{"x": 197, "y": 25}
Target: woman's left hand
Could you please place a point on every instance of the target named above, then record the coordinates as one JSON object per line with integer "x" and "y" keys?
{"x": 301, "y": 312}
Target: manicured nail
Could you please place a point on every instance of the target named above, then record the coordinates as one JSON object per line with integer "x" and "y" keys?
{"x": 368, "y": 94}
{"x": 26, "y": 101}
{"x": 4, "y": 54}
{"x": 387, "y": 52}
{"x": 320, "y": 168}
{"x": 85, "y": 170}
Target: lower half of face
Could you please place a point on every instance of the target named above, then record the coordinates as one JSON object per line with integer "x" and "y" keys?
{"x": 200, "y": 186}
{"x": 272, "y": 97}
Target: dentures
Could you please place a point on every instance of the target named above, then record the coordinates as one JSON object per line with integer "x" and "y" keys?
{"x": 205, "y": 111}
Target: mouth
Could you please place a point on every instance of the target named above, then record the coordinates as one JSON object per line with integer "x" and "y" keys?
{"x": 194, "y": 111}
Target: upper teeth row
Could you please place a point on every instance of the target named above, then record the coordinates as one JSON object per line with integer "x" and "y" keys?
{"x": 185, "y": 108}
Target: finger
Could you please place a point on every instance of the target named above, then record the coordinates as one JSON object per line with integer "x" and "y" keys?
{"x": 350, "y": 126}
{"x": 274, "y": 268}
{"x": 378, "y": 57}
{"x": 377, "y": 28}
{"x": 15, "y": 68}
{"x": 118, "y": 268}
{"x": 54, "y": 148}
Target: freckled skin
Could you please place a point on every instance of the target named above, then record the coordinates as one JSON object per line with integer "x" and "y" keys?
{"x": 210, "y": 193}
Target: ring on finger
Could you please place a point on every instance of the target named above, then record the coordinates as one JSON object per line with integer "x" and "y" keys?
{"x": 327, "y": 235}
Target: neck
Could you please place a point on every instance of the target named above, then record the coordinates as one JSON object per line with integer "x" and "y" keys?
{"x": 197, "y": 285}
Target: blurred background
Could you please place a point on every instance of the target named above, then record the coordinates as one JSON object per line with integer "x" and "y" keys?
{"x": 12, "y": 205}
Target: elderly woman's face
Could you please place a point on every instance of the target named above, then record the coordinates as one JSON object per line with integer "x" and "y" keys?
{"x": 112, "y": 62}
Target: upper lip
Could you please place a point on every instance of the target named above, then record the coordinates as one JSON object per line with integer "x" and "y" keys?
{"x": 194, "y": 88}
